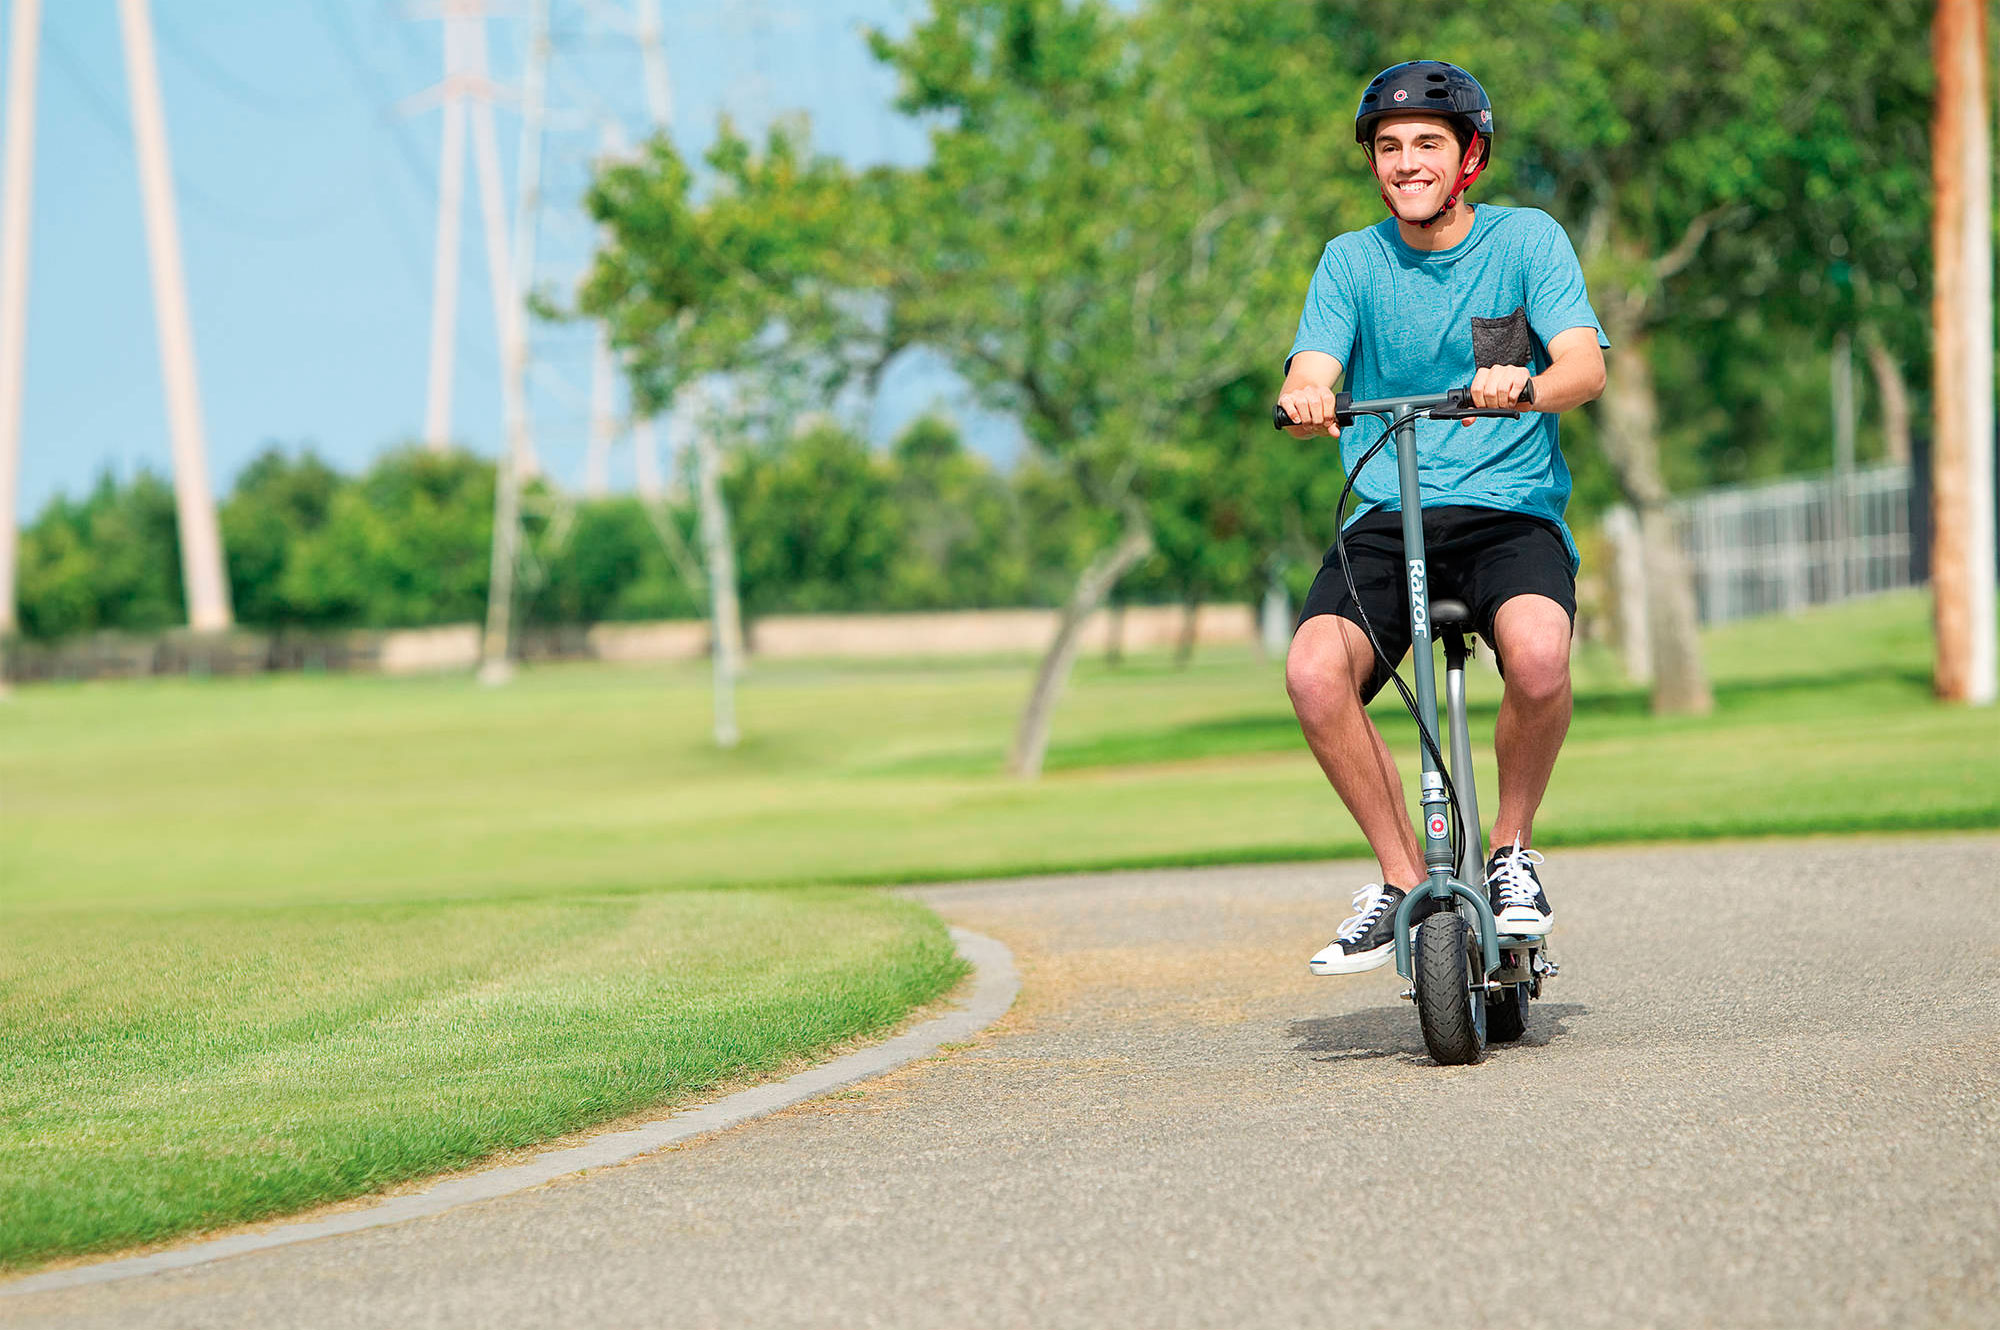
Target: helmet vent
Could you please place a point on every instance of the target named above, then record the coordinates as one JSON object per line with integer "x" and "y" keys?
{"x": 1436, "y": 92}
{"x": 1437, "y": 78}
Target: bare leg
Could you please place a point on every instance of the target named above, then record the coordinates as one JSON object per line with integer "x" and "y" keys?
{"x": 1329, "y": 661}
{"x": 1534, "y": 635}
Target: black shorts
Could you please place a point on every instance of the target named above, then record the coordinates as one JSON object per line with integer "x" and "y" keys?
{"x": 1482, "y": 556}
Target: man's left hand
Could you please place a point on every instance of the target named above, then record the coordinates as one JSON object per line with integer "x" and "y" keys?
{"x": 1499, "y": 388}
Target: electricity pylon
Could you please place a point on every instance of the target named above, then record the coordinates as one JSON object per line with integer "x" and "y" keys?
{"x": 203, "y": 582}
{"x": 194, "y": 499}
{"x": 444, "y": 263}
{"x": 467, "y": 94}
{"x": 17, "y": 172}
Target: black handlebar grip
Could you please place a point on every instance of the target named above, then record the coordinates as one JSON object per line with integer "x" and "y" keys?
{"x": 1342, "y": 416}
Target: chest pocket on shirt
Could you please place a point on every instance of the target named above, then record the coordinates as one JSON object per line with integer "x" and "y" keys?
{"x": 1503, "y": 341}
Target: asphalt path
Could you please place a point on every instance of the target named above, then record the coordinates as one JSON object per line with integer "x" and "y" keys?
{"x": 1765, "y": 1091}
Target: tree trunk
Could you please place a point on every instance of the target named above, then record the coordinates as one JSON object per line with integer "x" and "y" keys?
{"x": 1031, "y": 737}
{"x": 1190, "y": 625}
{"x": 1628, "y": 575}
{"x": 496, "y": 651}
{"x": 1895, "y": 395}
{"x": 1631, "y": 443}
{"x": 718, "y": 551}
{"x": 725, "y": 617}
{"x": 1274, "y": 620}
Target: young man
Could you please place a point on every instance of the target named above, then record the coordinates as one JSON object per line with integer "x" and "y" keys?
{"x": 1437, "y": 296}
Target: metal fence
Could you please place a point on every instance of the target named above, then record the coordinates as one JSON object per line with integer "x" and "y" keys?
{"x": 1780, "y": 546}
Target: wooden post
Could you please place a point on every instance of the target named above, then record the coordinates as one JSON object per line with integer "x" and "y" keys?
{"x": 1962, "y": 572}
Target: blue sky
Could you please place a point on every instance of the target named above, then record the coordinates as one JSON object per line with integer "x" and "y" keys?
{"x": 307, "y": 202}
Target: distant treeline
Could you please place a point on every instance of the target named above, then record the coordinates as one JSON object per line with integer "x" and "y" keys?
{"x": 822, "y": 523}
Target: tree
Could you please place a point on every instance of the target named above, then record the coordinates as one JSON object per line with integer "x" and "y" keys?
{"x": 1843, "y": 243}
{"x": 748, "y": 283}
{"x": 964, "y": 542}
{"x": 109, "y": 560}
{"x": 1097, "y": 241}
{"x": 818, "y": 525}
{"x": 277, "y": 502}
{"x": 611, "y": 566}
{"x": 406, "y": 544}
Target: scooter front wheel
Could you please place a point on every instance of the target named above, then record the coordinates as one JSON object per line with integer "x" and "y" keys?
{"x": 1451, "y": 989}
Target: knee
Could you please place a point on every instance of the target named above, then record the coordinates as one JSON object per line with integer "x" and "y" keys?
{"x": 1538, "y": 670}
{"x": 1320, "y": 681}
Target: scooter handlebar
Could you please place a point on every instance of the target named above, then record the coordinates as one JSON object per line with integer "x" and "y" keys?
{"x": 1453, "y": 405}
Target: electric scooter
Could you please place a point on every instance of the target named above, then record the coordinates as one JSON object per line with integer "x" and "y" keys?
{"x": 1470, "y": 982}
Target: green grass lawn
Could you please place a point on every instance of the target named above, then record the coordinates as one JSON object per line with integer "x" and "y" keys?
{"x": 168, "y": 1070}
{"x": 265, "y": 943}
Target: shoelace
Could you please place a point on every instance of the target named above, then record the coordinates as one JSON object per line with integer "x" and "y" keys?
{"x": 1368, "y": 904}
{"x": 1510, "y": 877}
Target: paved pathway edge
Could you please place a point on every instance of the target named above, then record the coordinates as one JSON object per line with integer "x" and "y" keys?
{"x": 994, "y": 986}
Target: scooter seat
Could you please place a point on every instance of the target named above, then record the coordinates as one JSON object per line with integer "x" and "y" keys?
{"x": 1450, "y": 616}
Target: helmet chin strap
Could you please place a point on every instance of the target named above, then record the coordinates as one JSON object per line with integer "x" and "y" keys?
{"x": 1466, "y": 175}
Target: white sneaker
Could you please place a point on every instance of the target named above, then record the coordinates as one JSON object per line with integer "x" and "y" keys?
{"x": 1520, "y": 907}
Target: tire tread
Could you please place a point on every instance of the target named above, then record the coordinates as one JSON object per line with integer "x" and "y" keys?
{"x": 1444, "y": 1002}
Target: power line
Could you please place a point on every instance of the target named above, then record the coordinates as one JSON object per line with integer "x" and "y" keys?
{"x": 257, "y": 99}
{"x": 230, "y": 217}
{"x": 370, "y": 83}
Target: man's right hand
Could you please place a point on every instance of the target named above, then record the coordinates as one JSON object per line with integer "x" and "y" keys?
{"x": 1311, "y": 409}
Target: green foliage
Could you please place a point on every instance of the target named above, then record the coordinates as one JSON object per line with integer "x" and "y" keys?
{"x": 409, "y": 543}
{"x": 110, "y": 560}
{"x": 611, "y": 565}
{"x": 816, "y": 525}
{"x": 278, "y": 500}
{"x": 964, "y": 541}
{"x": 823, "y": 522}
{"x": 1743, "y": 178}
{"x": 691, "y": 288}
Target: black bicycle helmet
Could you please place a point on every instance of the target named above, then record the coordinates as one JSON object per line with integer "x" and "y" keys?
{"x": 1438, "y": 88}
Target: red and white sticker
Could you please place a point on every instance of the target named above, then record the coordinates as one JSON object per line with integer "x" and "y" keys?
{"x": 1437, "y": 826}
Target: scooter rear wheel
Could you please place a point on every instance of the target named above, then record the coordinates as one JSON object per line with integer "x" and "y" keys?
{"x": 1507, "y": 1014}
{"x": 1451, "y": 984}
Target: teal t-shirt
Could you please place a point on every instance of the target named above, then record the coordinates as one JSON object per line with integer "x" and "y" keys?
{"x": 1400, "y": 320}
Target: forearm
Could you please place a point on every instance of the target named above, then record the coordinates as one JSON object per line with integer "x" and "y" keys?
{"x": 1574, "y": 377}
{"x": 1311, "y": 369}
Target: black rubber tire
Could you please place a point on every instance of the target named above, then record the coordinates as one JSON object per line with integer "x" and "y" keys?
{"x": 1448, "y": 964}
{"x": 1507, "y": 1014}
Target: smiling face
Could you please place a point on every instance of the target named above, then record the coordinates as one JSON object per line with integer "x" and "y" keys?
{"x": 1417, "y": 160}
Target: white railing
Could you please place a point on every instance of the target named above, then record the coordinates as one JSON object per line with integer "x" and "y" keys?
{"x": 1779, "y": 546}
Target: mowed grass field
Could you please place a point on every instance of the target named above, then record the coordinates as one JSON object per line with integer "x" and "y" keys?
{"x": 268, "y": 943}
